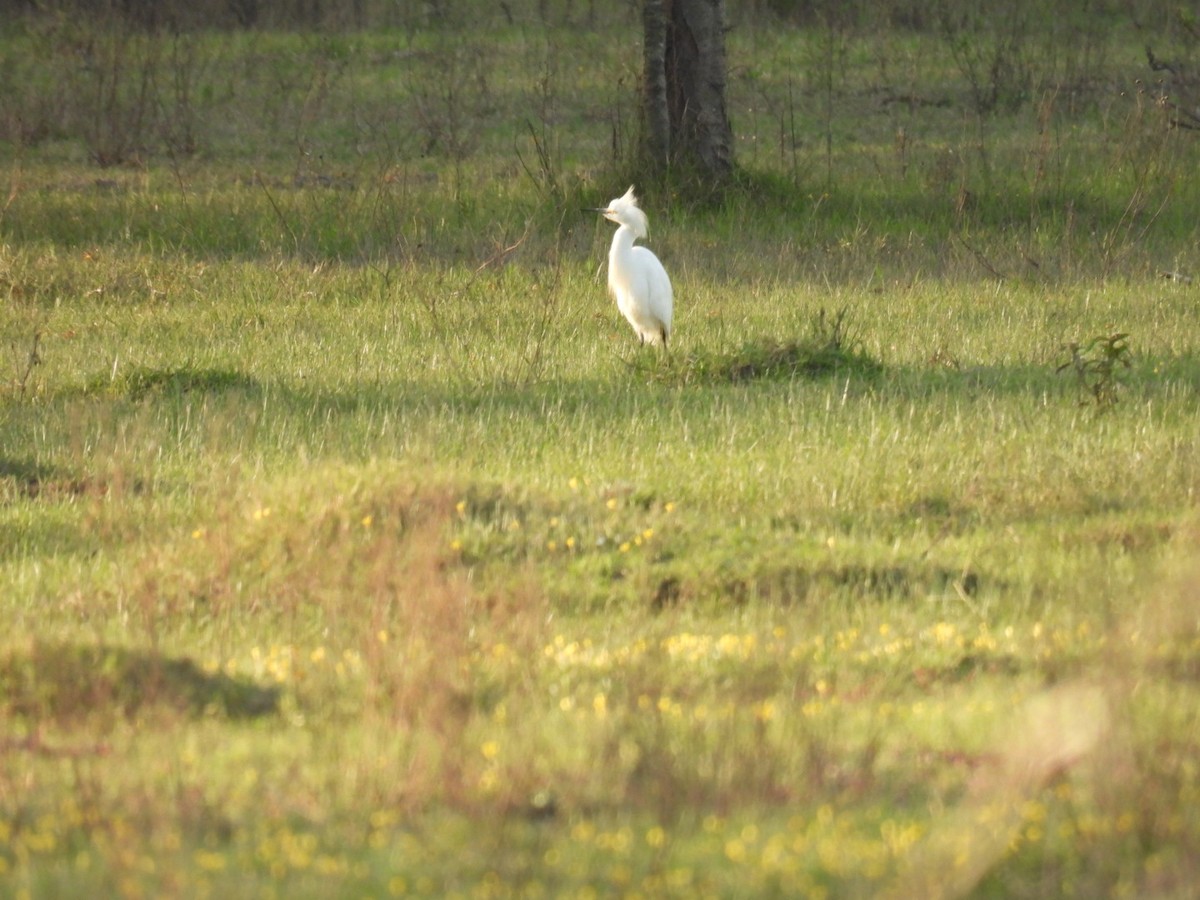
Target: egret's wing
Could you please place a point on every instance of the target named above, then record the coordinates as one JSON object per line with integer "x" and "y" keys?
{"x": 658, "y": 299}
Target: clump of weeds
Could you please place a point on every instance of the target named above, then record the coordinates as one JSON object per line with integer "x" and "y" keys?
{"x": 1098, "y": 365}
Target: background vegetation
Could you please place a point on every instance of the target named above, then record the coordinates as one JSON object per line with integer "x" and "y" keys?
{"x": 350, "y": 546}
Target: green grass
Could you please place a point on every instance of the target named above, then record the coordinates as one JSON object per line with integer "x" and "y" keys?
{"x": 351, "y": 546}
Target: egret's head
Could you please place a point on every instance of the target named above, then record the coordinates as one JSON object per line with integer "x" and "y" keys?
{"x": 624, "y": 211}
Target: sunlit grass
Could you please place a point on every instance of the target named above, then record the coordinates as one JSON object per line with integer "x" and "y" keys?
{"x": 677, "y": 638}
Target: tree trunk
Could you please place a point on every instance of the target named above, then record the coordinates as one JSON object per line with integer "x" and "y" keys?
{"x": 685, "y": 121}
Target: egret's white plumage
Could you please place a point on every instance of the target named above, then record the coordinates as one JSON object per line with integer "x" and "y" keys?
{"x": 636, "y": 279}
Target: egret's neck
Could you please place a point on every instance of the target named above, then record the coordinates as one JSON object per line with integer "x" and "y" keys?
{"x": 622, "y": 242}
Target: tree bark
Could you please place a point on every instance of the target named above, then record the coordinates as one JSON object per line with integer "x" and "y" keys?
{"x": 656, "y": 137}
{"x": 685, "y": 119}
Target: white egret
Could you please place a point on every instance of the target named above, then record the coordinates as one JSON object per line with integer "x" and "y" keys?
{"x": 636, "y": 279}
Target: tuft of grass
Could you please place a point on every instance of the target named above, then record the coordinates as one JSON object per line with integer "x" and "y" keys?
{"x": 830, "y": 348}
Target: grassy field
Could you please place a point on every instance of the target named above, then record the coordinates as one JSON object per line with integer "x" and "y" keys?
{"x": 350, "y": 546}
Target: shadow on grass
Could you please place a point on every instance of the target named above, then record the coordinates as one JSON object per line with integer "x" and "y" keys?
{"x": 794, "y": 583}
{"x": 144, "y": 382}
{"x": 25, "y": 479}
{"x": 830, "y": 348}
{"x": 69, "y": 681}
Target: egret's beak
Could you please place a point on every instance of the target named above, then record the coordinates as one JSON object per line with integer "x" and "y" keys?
{"x": 598, "y": 209}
